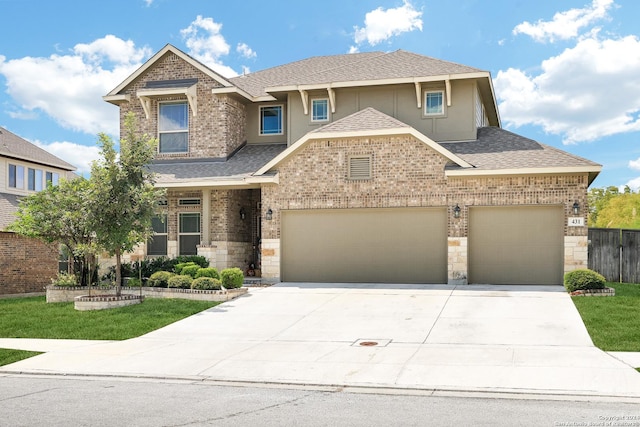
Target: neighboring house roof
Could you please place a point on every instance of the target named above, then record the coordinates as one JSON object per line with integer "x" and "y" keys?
{"x": 13, "y": 146}
{"x": 8, "y": 207}
{"x": 496, "y": 149}
{"x": 354, "y": 67}
{"x": 198, "y": 172}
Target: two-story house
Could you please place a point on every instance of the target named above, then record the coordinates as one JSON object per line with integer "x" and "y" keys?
{"x": 368, "y": 167}
{"x": 26, "y": 265}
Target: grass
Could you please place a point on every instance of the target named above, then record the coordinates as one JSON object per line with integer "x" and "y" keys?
{"x": 32, "y": 317}
{"x": 613, "y": 322}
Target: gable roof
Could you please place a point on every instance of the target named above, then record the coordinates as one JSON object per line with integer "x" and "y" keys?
{"x": 499, "y": 151}
{"x": 114, "y": 95}
{"x": 347, "y": 69}
{"x": 366, "y": 122}
{"x": 15, "y": 147}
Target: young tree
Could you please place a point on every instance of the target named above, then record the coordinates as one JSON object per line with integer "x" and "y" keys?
{"x": 59, "y": 214}
{"x": 622, "y": 211}
{"x": 123, "y": 194}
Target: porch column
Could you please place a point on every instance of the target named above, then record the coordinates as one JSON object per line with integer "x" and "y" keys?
{"x": 206, "y": 217}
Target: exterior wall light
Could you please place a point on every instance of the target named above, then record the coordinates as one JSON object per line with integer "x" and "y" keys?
{"x": 243, "y": 214}
{"x": 456, "y": 211}
{"x": 576, "y": 208}
{"x": 269, "y": 215}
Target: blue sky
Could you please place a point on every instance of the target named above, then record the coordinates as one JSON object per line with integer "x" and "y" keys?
{"x": 566, "y": 73}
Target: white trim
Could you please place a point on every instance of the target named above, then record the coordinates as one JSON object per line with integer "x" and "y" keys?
{"x": 356, "y": 134}
{"x": 281, "y": 119}
{"x": 442, "y": 113}
{"x": 319, "y": 98}
{"x": 174, "y": 131}
{"x": 332, "y": 99}
{"x": 116, "y": 99}
{"x": 418, "y": 94}
{"x": 523, "y": 171}
{"x": 191, "y": 93}
{"x": 447, "y": 85}
{"x": 246, "y": 182}
{"x": 304, "y": 97}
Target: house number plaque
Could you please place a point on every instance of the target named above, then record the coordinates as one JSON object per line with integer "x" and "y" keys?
{"x": 576, "y": 221}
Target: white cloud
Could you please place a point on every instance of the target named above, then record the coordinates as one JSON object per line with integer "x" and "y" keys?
{"x": 148, "y": 2}
{"x": 565, "y": 25}
{"x": 244, "y": 50}
{"x": 635, "y": 164}
{"x": 207, "y": 44}
{"x": 69, "y": 88}
{"x": 633, "y": 184}
{"x": 78, "y": 155}
{"x": 586, "y": 92}
{"x": 382, "y": 24}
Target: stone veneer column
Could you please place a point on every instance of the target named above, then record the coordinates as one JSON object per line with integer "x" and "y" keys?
{"x": 209, "y": 252}
{"x": 271, "y": 259}
{"x": 576, "y": 252}
{"x": 457, "y": 273}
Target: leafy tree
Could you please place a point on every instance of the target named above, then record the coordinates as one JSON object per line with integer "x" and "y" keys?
{"x": 123, "y": 195}
{"x": 598, "y": 198}
{"x": 622, "y": 211}
{"x": 59, "y": 214}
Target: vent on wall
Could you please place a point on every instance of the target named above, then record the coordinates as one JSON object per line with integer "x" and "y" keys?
{"x": 360, "y": 167}
{"x": 189, "y": 202}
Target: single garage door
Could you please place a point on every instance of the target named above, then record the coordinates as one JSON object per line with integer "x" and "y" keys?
{"x": 516, "y": 245}
{"x": 395, "y": 245}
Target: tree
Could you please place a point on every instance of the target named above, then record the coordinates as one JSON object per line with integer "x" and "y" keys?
{"x": 622, "y": 211}
{"x": 123, "y": 194}
{"x": 598, "y": 198}
{"x": 59, "y": 214}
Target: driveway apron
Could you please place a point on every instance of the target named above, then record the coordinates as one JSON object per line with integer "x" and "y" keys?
{"x": 523, "y": 339}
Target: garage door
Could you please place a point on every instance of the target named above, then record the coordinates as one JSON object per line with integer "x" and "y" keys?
{"x": 516, "y": 245}
{"x": 364, "y": 245}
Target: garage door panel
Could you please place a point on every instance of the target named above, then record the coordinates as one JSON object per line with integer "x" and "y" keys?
{"x": 516, "y": 245}
{"x": 364, "y": 245}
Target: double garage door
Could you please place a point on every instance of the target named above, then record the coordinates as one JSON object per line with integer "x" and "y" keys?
{"x": 507, "y": 245}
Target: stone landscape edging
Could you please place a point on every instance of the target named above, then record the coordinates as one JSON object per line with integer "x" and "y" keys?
{"x": 69, "y": 293}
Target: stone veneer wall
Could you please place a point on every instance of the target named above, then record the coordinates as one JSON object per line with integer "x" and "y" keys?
{"x": 219, "y": 126}
{"x": 406, "y": 173}
{"x": 26, "y": 265}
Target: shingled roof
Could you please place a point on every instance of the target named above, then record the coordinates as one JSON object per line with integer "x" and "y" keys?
{"x": 497, "y": 149}
{"x": 353, "y": 67}
{"x": 368, "y": 119}
{"x": 11, "y": 145}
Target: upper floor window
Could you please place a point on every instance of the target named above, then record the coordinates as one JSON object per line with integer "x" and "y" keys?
{"x": 16, "y": 176}
{"x": 52, "y": 177}
{"x": 319, "y": 110}
{"x": 271, "y": 120}
{"x": 34, "y": 182}
{"x": 433, "y": 103}
{"x": 173, "y": 127}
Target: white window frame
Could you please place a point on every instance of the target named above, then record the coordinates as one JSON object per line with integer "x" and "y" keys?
{"x": 55, "y": 178}
{"x": 38, "y": 181}
{"x": 193, "y": 201}
{"x": 425, "y": 104}
{"x": 186, "y": 104}
{"x": 313, "y": 117}
{"x": 15, "y": 177}
{"x": 261, "y": 108}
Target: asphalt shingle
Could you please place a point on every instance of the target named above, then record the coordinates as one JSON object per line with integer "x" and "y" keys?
{"x": 364, "y": 120}
{"x": 11, "y": 145}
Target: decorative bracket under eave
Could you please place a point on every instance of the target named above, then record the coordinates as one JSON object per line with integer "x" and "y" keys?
{"x": 447, "y": 85}
{"x": 332, "y": 99}
{"x": 190, "y": 92}
{"x": 146, "y": 105}
{"x": 304, "y": 95}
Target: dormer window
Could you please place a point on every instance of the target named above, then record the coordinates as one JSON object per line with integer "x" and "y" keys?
{"x": 173, "y": 127}
{"x": 271, "y": 120}
{"x": 320, "y": 110}
{"x": 434, "y": 103}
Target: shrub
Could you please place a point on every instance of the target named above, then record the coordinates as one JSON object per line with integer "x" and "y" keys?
{"x": 133, "y": 282}
{"x": 181, "y": 281}
{"x": 232, "y": 278}
{"x": 197, "y": 259}
{"x": 208, "y": 272}
{"x": 190, "y": 270}
{"x": 65, "y": 279}
{"x": 181, "y": 266}
{"x": 160, "y": 279}
{"x": 206, "y": 283}
{"x": 583, "y": 279}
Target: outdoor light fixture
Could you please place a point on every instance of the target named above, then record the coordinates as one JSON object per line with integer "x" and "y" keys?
{"x": 269, "y": 215}
{"x": 576, "y": 208}
{"x": 243, "y": 214}
{"x": 456, "y": 211}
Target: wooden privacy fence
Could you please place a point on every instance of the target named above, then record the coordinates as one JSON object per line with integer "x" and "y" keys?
{"x": 613, "y": 252}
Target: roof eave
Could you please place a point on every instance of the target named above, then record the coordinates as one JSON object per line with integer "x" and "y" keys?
{"x": 592, "y": 170}
{"x": 244, "y": 182}
{"x": 234, "y": 90}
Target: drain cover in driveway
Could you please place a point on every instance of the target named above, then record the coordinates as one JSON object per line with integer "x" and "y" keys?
{"x": 371, "y": 343}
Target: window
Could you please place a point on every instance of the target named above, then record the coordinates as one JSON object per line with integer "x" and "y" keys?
{"x": 189, "y": 202}
{"x": 16, "y": 176}
{"x": 359, "y": 167}
{"x": 34, "y": 179}
{"x": 52, "y": 177}
{"x": 319, "y": 110}
{"x": 173, "y": 127}
{"x": 271, "y": 120}
{"x": 157, "y": 244}
{"x": 189, "y": 233}
{"x": 433, "y": 103}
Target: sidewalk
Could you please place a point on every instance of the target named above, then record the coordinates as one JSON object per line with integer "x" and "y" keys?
{"x": 471, "y": 339}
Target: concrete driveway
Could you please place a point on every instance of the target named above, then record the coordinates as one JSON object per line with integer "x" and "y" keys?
{"x": 525, "y": 339}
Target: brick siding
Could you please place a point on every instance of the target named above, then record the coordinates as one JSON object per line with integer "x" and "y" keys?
{"x": 26, "y": 265}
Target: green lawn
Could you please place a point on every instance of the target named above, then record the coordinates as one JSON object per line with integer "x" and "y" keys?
{"x": 613, "y": 322}
{"x": 34, "y": 318}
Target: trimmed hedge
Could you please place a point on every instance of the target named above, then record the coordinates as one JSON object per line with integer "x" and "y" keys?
{"x": 160, "y": 279}
{"x": 583, "y": 279}
{"x": 206, "y": 283}
{"x": 211, "y": 272}
{"x": 181, "y": 281}
{"x": 232, "y": 278}
{"x": 190, "y": 270}
{"x": 181, "y": 266}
